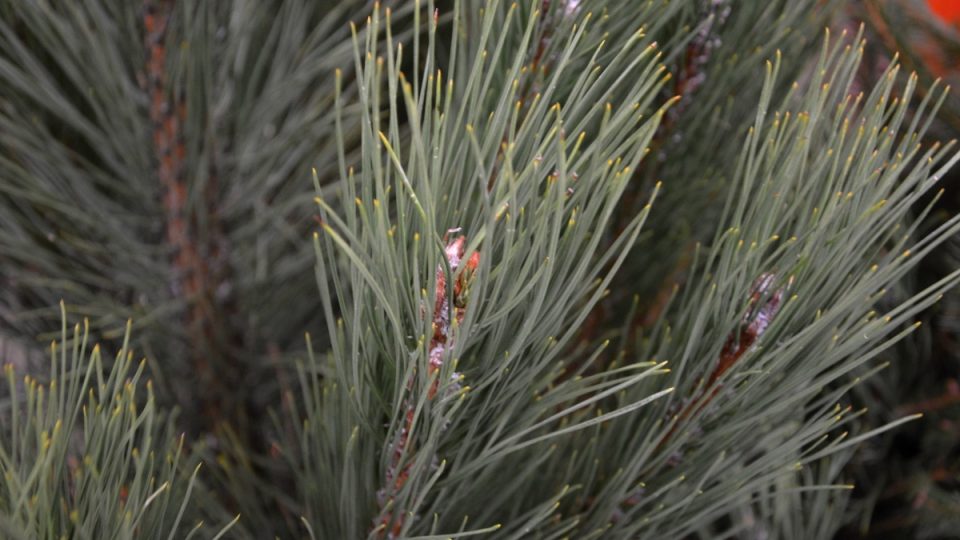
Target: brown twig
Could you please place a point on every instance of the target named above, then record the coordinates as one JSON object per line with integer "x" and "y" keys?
{"x": 754, "y": 323}
{"x": 440, "y": 341}
{"x": 951, "y": 396}
{"x": 689, "y": 76}
{"x": 198, "y": 270}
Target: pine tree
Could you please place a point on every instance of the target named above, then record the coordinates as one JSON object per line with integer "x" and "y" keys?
{"x": 584, "y": 269}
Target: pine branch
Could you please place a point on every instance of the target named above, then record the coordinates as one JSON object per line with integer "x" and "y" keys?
{"x": 765, "y": 373}
{"x": 85, "y": 455}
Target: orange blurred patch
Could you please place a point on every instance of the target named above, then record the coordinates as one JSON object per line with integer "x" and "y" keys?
{"x": 947, "y": 10}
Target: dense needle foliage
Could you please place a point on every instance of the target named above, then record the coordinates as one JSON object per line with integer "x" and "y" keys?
{"x": 586, "y": 269}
